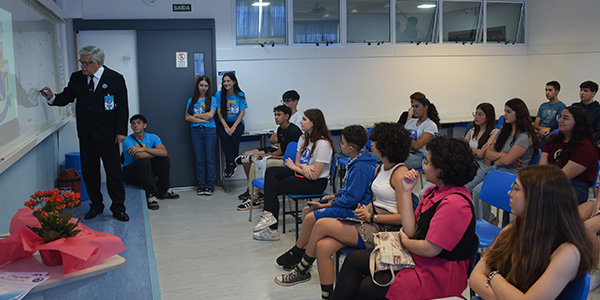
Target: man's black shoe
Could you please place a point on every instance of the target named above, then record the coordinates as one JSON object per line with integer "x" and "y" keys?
{"x": 92, "y": 213}
{"x": 121, "y": 216}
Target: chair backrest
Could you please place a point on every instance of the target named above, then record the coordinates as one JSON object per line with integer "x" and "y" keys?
{"x": 577, "y": 289}
{"x": 596, "y": 183}
{"x": 495, "y": 189}
{"x": 500, "y": 122}
{"x": 368, "y": 145}
{"x": 535, "y": 159}
{"x": 473, "y": 255}
{"x": 290, "y": 151}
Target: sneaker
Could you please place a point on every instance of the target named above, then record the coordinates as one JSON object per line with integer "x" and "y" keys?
{"x": 152, "y": 202}
{"x": 170, "y": 194}
{"x": 245, "y": 195}
{"x": 266, "y": 220}
{"x": 230, "y": 170}
{"x": 266, "y": 235}
{"x": 201, "y": 191}
{"x": 291, "y": 278}
{"x": 244, "y": 159}
{"x": 209, "y": 191}
{"x": 293, "y": 263}
{"x": 246, "y": 205}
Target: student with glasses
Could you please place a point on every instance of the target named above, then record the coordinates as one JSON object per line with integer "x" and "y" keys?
{"x": 572, "y": 149}
{"x": 482, "y": 133}
{"x": 544, "y": 248}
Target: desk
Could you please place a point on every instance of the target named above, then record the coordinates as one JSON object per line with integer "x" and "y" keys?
{"x": 60, "y": 284}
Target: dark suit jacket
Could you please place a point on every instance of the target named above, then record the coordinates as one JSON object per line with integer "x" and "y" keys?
{"x": 92, "y": 119}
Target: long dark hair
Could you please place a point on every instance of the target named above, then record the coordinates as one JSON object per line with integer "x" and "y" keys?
{"x": 319, "y": 130}
{"x": 432, "y": 112}
{"x": 523, "y": 124}
{"x": 196, "y": 95}
{"x": 490, "y": 123}
{"x": 236, "y": 90}
{"x": 581, "y": 131}
{"x": 521, "y": 253}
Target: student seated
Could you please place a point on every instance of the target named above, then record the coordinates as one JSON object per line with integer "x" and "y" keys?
{"x": 290, "y": 99}
{"x": 361, "y": 170}
{"x": 544, "y": 248}
{"x": 424, "y": 125}
{"x": 545, "y": 121}
{"x": 587, "y": 92}
{"x": 286, "y": 132}
{"x": 439, "y": 234}
{"x": 483, "y": 133}
{"x": 308, "y": 174}
{"x": 407, "y": 115}
{"x": 572, "y": 149}
{"x": 390, "y": 142}
{"x": 512, "y": 149}
{"x": 145, "y": 157}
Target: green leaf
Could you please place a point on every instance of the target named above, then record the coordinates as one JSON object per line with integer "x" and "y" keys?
{"x": 50, "y": 236}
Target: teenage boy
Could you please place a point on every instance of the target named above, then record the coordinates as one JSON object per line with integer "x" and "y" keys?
{"x": 587, "y": 91}
{"x": 286, "y": 132}
{"x": 361, "y": 170}
{"x": 546, "y": 121}
{"x": 145, "y": 157}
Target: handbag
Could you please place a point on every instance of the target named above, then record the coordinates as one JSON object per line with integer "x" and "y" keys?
{"x": 389, "y": 254}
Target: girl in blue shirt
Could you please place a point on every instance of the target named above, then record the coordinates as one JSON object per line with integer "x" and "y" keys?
{"x": 200, "y": 111}
{"x": 231, "y": 108}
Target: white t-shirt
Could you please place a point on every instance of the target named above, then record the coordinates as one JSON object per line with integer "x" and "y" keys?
{"x": 322, "y": 154}
{"x": 416, "y": 131}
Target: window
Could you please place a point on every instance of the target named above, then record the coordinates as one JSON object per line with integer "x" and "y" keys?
{"x": 415, "y": 21}
{"x": 260, "y": 21}
{"x": 505, "y": 22}
{"x": 316, "y": 21}
{"x": 462, "y": 21}
{"x": 368, "y": 20}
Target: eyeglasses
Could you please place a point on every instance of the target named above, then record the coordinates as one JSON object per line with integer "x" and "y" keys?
{"x": 514, "y": 187}
{"x": 286, "y": 100}
{"x": 426, "y": 162}
{"x": 476, "y": 114}
{"x": 85, "y": 63}
{"x": 564, "y": 118}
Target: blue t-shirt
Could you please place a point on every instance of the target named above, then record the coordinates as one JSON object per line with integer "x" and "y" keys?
{"x": 548, "y": 113}
{"x": 200, "y": 108}
{"x": 150, "y": 141}
{"x": 235, "y": 105}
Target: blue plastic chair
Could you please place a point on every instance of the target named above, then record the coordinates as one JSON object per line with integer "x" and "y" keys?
{"x": 535, "y": 159}
{"x": 290, "y": 152}
{"x": 495, "y": 192}
{"x": 577, "y": 289}
{"x": 500, "y": 122}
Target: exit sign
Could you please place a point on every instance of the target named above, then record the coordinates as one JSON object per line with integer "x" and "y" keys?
{"x": 182, "y": 7}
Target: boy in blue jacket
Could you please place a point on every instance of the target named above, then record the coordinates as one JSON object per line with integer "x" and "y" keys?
{"x": 361, "y": 171}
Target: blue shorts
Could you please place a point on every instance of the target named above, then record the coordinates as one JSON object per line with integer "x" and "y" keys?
{"x": 333, "y": 212}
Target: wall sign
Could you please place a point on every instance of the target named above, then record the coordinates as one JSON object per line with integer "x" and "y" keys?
{"x": 182, "y": 7}
{"x": 181, "y": 59}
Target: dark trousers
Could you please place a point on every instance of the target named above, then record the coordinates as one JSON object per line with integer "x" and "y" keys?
{"x": 354, "y": 280}
{"x": 282, "y": 180}
{"x": 91, "y": 152}
{"x": 143, "y": 172}
{"x": 230, "y": 143}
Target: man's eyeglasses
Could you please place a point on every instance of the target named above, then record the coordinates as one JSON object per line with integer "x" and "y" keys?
{"x": 85, "y": 63}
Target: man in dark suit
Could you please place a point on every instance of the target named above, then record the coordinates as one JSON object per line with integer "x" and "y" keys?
{"x": 101, "y": 113}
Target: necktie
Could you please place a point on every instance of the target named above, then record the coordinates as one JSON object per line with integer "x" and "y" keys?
{"x": 91, "y": 87}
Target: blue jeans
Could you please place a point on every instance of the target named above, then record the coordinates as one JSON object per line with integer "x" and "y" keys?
{"x": 415, "y": 160}
{"x": 204, "y": 142}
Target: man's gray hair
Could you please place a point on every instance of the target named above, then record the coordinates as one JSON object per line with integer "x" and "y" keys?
{"x": 97, "y": 53}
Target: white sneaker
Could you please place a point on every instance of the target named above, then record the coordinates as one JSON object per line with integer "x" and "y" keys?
{"x": 266, "y": 235}
{"x": 266, "y": 220}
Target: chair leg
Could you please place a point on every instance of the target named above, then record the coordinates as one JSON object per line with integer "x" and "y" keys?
{"x": 296, "y": 218}
{"x": 250, "y": 215}
{"x": 283, "y": 213}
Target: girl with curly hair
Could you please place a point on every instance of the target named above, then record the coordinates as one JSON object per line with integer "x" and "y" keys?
{"x": 390, "y": 142}
{"x": 544, "y": 248}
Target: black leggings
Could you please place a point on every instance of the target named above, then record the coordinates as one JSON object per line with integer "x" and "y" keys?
{"x": 354, "y": 280}
{"x": 282, "y": 180}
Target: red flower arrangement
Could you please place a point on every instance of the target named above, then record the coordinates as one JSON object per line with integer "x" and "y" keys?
{"x": 54, "y": 213}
